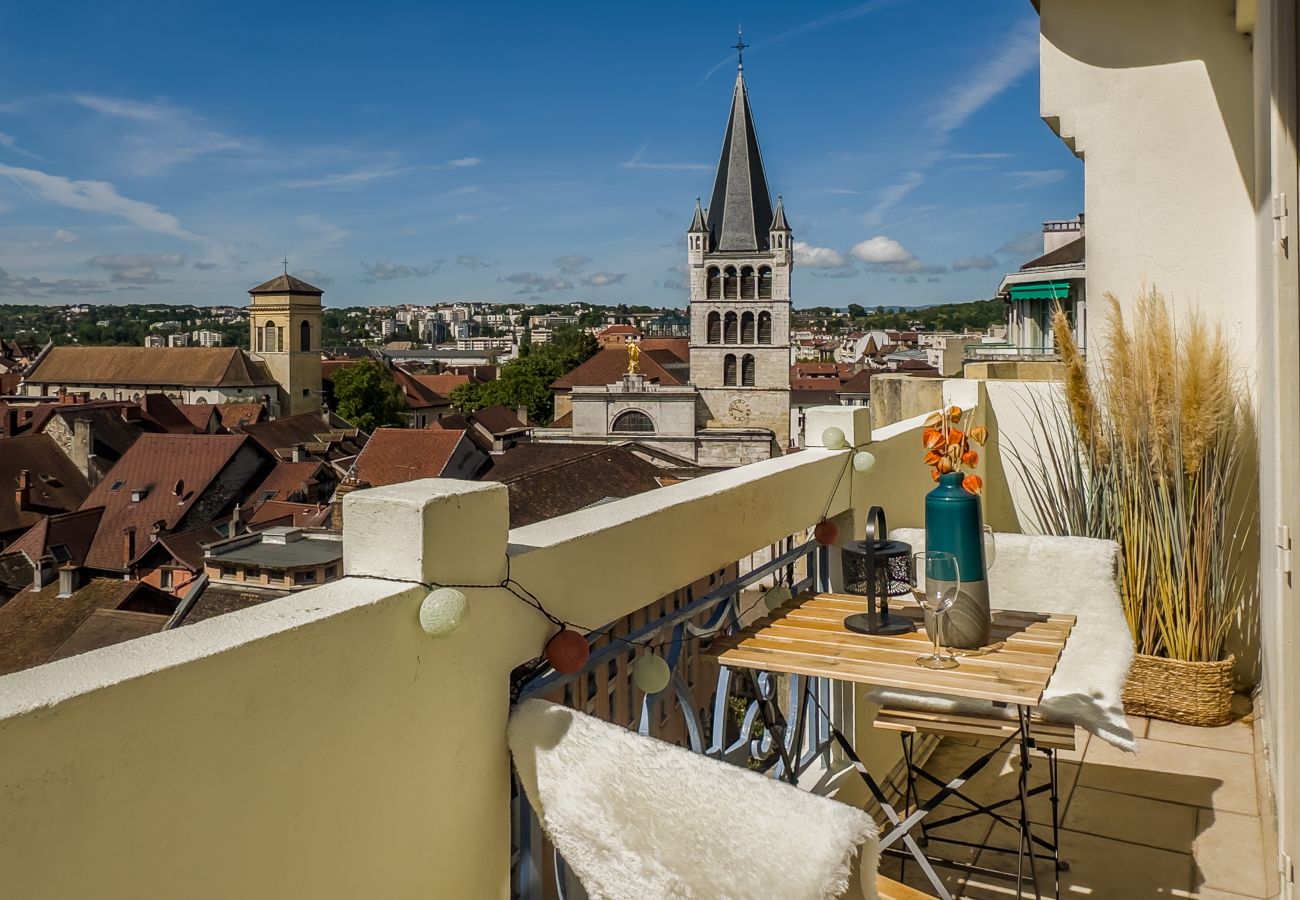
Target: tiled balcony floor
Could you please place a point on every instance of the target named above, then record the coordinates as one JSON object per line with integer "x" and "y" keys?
{"x": 1183, "y": 817}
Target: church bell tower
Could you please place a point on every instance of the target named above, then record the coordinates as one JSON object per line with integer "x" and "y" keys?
{"x": 284, "y": 324}
{"x": 740, "y": 256}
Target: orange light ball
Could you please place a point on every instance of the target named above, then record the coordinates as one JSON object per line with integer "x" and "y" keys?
{"x": 826, "y": 533}
{"x": 567, "y": 651}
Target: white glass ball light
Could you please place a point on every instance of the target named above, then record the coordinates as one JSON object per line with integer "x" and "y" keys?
{"x": 443, "y": 611}
{"x": 651, "y": 673}
{"x": 863, "y": 461}
{"x": 833, "y": 439}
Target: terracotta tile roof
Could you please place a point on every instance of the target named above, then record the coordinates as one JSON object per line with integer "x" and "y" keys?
{"x": 165, "y": 414}
{"x": 186, "y": 547}
{"x": 292, "y": 481}
{"x": 282, "y": 512}
{"x": 219, "y": 599}
{"x": 333, "y": 441}
{"x": 814, "y": 384}
{"x": 678, "y": 347}
{"x": 443, "y": 384}
{"x": 200, "y": 367}
{"x": 497, "y": 419}
{"x": 418, "y": 395}
{"x": 858, "y": 384}
{"x": 397, "y": 455}
{"x": 233, "y": 414}
{"x": 200, "y": 414}
{"x": 157, "y": 464}
{"x": 105, "y": 627}
{"x": 611, "y": 330}
{"x": 549, "y": 480}
{"x": 66, "y": 536}
{"x": 607, "y": 367}
{"x": 286, "y": 284}
{"x": 35, "y": 624}
{"x": 564, "y": 421}
{"x": 55, "y": 483}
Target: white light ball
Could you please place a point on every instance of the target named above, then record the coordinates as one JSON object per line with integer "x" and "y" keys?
{"x": 651, "y": 673}
{"x": 777, "y": 597}
{"x": 443, "y": 611}
{"x": 863, "y": 461}
{"x": 833, "y": 439}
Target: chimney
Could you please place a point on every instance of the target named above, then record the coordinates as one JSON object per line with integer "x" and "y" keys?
{"x": 128, "y": 545}
{"x": 83, "y": 447}
{"x": 346, "y": 486}
{"x": 156, "y": 530}
{"x": 236, "y": 521}
{"x": 65, "y": 398}
{"x": 299, "y": 453}
{"x": 68, "y": 581}
{"x": 23, "y": 494}
{"x": 521, "y": 412}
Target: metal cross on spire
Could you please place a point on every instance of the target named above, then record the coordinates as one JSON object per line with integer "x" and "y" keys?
{"x": 740, "y": 46}
{"x": 286, "y": 265}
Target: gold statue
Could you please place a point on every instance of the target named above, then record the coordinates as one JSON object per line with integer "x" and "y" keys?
{"x": 633, "y": 358}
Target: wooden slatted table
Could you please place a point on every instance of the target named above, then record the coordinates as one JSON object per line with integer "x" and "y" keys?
{"x": 806, "y": 636}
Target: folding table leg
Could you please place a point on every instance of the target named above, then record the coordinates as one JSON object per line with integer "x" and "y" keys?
{"x": 890, "y": 813}
{"x": 1026, "y": 831}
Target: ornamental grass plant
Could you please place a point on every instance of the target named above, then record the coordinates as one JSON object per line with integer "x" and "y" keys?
{"x": 1150, "y": 451}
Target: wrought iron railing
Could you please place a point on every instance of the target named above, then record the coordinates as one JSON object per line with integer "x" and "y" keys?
{"x": 741, "y": 720}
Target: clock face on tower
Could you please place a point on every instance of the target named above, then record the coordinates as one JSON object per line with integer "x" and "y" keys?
{"x": 739, "y": 410}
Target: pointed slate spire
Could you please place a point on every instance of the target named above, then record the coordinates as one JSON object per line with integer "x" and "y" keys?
{"x": 740, "y": 211}
{"x": 778, "y": 217}
{"x": 697, "y": 223}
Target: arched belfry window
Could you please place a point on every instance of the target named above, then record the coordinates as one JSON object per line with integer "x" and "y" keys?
{"x": 729, "y": 370}
{"x": 304, "y": 335}
{"x": 713, "y": 286}
{"x": 714, "y": 330}
{"x": 747, "y": 372}
{"x": 747, "y": 328}
{"x": 633, "y": 421}
{"x": 747, "y": 283}
{"x": 271, "y": 343}
{"x": 764, "y": 283}
{"x": 765, "y": 328}
{"x": 730, "y": 334}
{"x": 730, "y": 284}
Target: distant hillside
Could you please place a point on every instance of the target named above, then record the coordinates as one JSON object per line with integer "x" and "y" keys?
{"x": 974, "y": 315}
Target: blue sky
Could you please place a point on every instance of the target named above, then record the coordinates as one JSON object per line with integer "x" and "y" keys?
{"x": 401, "y": 152}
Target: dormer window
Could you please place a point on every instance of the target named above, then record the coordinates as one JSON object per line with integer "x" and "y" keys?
{"x": 116, "y": 486}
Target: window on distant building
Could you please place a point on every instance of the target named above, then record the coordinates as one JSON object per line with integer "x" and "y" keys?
{"x": 228, "y": 572}
{"x": 305, "y": 577}
{"x": 304, "y": 335}
{"x": 747, "y": 283}
{"x": 747, "y": 328}
{"x": 729, "y": 370}
{"x": 271, "y": 343}
{"x": 714, "y": 328}
{"x": 764, "y": 283}
{"x": 714, "y": 284}
{"x": 633, "y": 421}
{"x": 747, "y": 371}
{"x": 764, "y": 328}
{"x": 730, "y": 332}
{"x": 165, "y": 579}
{"x": 116, "y": 486}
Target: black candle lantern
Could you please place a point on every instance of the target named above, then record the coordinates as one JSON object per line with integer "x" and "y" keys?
{"x": 877, "y": 569}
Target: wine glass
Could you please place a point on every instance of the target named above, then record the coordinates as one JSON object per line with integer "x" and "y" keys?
{"x": 990, "y": 547}
{"x": 936, "y": 582}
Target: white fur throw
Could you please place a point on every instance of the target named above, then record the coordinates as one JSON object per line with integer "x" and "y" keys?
{"x": 1040, "y": 573}
{"x": 639, "y": 819}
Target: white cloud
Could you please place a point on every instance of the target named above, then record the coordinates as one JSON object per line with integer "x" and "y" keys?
{"x": 36, "y": 288}
{"x": 881, "y": 250}
{"x": 1033, "y": 178}
{"x": 98, "y": 197}
{"x": 1016, "y": 57}
{"x": 811, "y": 257}
{"x": 602, "y": 279}
{"x": 472, "y": 261}
{"x": 345, "y": 180}
{"x": 1027, "y": 243}
{"x": 161, "y": 135}
{"x": 464, "y": 162}
{"x": 636, "y": 163}
{"x": 891, "y": 196}
{"x": 63, "y": 236}
{"x": 980, "y": 263}
{"x": 316, "y": 277}
{"x": 572, "y": 264}
{"x": 387, "y": 270}
{"x": 137, "y": 268}
{"x": 536, "y": 282}
{"x": 324, "y": 234}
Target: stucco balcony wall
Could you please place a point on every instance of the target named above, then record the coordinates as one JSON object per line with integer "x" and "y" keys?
{"x": 323, "y": 745}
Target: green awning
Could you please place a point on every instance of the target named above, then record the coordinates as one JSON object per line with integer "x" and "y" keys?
{"x": 1041, "y": 290}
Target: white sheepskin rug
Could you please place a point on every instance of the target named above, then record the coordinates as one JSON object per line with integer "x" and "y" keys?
{"x": 639, "y": 819}
{"x": 1039, "y": 573}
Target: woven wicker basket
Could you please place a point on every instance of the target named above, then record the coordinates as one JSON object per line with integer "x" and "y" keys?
{"x": 1191, "y": 693}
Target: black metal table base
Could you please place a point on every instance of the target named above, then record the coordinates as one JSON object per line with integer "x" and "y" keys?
{"x": 917, "y": 818}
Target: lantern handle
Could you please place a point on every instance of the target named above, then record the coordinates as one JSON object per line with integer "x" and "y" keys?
{"x": 876, "y": 528}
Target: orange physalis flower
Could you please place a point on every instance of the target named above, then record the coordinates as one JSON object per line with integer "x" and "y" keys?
{"x": 943, "y": 466}
{"x": 970, "y": 458}
{"x": 973, "y": 483}
{"x": 933, "y": 457}
{"x": 979, "y": 434}
{"x": 934, "y": 473}
{"x": 956, "y": 435}
{"x": 932, "y": 438}
{"x": 954, "y": 414}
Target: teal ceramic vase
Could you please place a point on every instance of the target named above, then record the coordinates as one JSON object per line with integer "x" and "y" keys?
{"x": 954, "y": 523}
